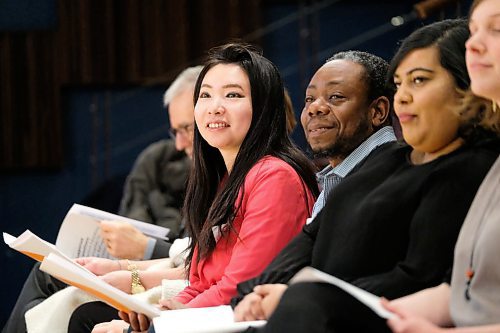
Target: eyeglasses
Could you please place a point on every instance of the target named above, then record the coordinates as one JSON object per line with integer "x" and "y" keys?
{"x": 184, "y": 130}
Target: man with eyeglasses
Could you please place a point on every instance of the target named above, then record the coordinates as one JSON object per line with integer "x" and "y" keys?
{"x": 154, "y": 192}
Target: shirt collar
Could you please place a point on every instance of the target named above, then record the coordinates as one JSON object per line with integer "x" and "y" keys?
{"x": 383, "y": 135}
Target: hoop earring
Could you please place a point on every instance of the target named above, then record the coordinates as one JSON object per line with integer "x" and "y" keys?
{"x": 494, "y": 106}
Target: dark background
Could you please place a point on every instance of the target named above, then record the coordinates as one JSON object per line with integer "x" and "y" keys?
{"x": 81, "y": 85}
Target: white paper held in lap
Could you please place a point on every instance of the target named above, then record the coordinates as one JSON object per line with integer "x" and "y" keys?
{"x": 309, "y": 274}
{"x": 217, "y": 319}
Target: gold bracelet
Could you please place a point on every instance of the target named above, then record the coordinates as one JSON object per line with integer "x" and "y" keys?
{"x": 136, "y": 286}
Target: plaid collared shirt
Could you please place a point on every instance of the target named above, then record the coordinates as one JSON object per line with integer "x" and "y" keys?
{"x": 330, "y": 176}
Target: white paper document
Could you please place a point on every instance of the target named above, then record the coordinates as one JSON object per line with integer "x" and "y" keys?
{"x": 79, "y": 235}
{"x": 309, "y": 274}
{"x": 218, "y": 319}
{"x": 59, "y": 265}
{"x": 75, "y": 275}
{"x": 31, "y": 245}
{"x": 151, "y": 230}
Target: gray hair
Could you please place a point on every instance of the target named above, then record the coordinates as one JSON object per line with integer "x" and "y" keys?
{"x": 184, "y": 81}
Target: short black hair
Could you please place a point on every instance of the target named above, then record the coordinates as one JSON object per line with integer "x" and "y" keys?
{"x": 376, "y": 70}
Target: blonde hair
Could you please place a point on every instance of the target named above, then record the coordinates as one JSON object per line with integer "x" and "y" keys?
{"x": 477, "y": 115}
{"x": 474, "y": 5}
{"x": 477, "y": 109}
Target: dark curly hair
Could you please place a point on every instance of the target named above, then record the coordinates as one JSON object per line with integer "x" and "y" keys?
{"x": 375, "y": 74}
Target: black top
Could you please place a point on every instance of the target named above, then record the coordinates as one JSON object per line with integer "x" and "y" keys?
{"x": 390, "y": 227}
{"x": 155, "y": 188}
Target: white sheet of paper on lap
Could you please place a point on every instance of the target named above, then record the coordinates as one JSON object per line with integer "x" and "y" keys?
{"x": 71, "y": 273}
{"x": 309, "y": 274}
{"x": 33, "y": 246}
{"x": 218, "y": 319}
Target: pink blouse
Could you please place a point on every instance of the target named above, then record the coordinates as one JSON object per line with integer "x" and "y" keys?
{"x": 276, "y": 203}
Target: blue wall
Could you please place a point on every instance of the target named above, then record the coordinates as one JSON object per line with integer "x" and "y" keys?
{"x": 22, "y": 15}
{"x": 102, "y": 145}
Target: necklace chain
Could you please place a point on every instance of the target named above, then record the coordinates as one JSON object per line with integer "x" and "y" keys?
{"x": 470, "y": 272}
